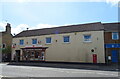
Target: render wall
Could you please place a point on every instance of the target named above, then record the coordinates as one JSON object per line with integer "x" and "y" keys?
{"x": 75, "y": 51}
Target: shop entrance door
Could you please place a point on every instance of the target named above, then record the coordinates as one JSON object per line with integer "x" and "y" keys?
{"x": 17, "y": 55}
{"x": 114, "y": 56}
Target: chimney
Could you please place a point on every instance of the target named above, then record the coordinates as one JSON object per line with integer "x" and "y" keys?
{"x": 8, "y": 28}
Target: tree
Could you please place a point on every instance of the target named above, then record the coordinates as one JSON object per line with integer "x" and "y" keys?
{"x": 6, "y": 54}
{"x": 6, "y": 50}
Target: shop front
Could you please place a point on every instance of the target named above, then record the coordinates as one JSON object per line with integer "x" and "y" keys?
{"x": 33, "y": 53}
{"x": 112, "y": 53}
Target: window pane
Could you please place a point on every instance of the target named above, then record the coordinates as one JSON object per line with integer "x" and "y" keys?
{"x": 21, "y": 42}
{"x": 66, "y": 39}
{"x": 115, "y": 36}
{"x": 48, "y": 40}
{"x": 87, "y": 37}
{"x": 36, "y": 54}
{"x": 34, "y": 41}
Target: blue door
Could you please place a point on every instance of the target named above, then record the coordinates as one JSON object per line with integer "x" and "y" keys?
{"x": 114, "y": 56}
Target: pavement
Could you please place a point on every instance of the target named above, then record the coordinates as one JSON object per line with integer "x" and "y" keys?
{"x": 87, "y": 66}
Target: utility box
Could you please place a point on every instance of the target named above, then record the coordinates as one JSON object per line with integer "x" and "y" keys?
{"x": 94, "y": 58}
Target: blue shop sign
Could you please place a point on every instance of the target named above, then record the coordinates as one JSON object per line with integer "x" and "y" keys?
{"x": 112, "y": 45}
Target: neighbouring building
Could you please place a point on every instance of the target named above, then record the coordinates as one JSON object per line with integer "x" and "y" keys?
{"x": 6, "y": 44}
{"x": 84, "y": 43}
{"x": 112, "y": 42}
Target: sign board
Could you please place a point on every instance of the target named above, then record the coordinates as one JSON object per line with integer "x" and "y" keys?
{"x": 33, "y": 46}
{"x": 112, "y": 45}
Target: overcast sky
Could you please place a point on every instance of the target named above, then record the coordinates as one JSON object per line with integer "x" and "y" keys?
{"x": 38, "y": 14}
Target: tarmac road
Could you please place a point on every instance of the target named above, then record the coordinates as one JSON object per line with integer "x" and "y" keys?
{"x": 29, "y": 72}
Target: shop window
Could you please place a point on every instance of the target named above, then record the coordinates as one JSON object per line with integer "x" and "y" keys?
{"x": 66, "y": 39}
{"x": 32, "y": 54}
{"x": 42, "y": 53}
{"x": 87, "y": 38}
{"x": 34, "y": 41}
{"x": 36, "y": 54}
{"x": 115, "y": 35}
{"x": 21, "y": 42}
{"x": 48, "y": 40}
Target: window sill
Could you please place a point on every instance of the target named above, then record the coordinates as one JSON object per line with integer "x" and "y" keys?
{"x": 87, "y": 42}
{"x": 22, "y": 45}
{"x": 115, "y": 39}
{"x": 48, "y": 43}
{"x": 66, "y": 42}
{"x": 34, "y": 44}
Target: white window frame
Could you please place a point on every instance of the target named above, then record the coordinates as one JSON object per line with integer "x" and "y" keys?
{"x": 89, "y": 40}
{"x": 46, "y": 41}
{"x": 34, "y": 39}
{"x": 23, "y": 42}
{"x": 113, "y": 36}
{"x": 66, "y": 36}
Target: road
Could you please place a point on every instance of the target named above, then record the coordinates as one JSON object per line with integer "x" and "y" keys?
{"x": 31, "y": 71}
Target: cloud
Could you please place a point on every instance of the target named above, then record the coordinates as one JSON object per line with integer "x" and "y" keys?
{"x": 21, "y": 27}
{"x": 2, "y": 26}
{"x": 113, "y": 2}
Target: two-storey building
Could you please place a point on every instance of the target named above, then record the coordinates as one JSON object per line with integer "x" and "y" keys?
{"x": 84, "y": 43}
{"x": 112, "y": 42}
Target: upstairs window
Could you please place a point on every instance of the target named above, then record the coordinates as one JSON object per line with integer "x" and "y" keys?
{"x": 21, "y": 42}
{"x": 66, "y": 39}
{"x": 87, "y": 38}
{"x": 34, "y": 41}
{"x": 115, "y": 35}
{"x": 48, "y": 40}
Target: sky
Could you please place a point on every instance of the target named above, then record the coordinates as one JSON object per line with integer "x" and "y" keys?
{"x": 36, "y": 14}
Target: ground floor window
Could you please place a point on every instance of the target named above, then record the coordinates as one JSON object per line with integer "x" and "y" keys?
{"x": 32, "y": 55}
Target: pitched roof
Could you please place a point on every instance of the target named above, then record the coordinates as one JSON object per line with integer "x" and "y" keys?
{"x": 111, "y": 26}
{"x": 62, "y": 29}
